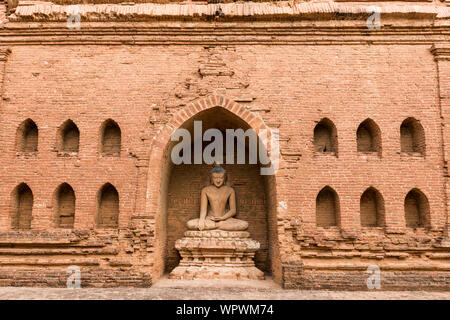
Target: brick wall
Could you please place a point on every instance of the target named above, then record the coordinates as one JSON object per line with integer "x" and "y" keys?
{"x": 290, "y": 87}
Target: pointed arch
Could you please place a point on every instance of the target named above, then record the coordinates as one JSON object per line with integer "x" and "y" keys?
{"x": 372, "y": 208}
{"x": 417, "y": 209}
{"x": 22, "y": 205}
{"x": 412, "y": 136}
{"x": 160, "y": 170}
{"x": 327, "y": 208}
{"x": 368, "y": 136}
{"x": 68, "y": 139}
{"x": 108, "y": 207}
{"x": 325, "y": 137}
{"x": 64, "y": 200}
{"x": 27, "y": 136}
{"x": 110, "y": 137}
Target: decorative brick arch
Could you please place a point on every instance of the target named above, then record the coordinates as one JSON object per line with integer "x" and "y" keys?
{"x": 162, "y": 138}
{"x": 156, "y": 184}
{"x": 254, "y": 121}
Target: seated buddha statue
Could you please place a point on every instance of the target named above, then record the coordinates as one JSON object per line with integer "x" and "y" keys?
{"x": 219, "y": 197}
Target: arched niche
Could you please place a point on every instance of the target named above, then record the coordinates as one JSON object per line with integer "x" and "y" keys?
{"x": 68, "y": 137}
{"x": 180, "y": 185}
{"x": 107, "y": 207}
{"x": 325, "y": 137}
{"x": 27, "y": 136}
{"x": 327, "y": 208}
{"x": 64, "y": 203}
{"x": 110, "y": 138}
{"x": 368, "y": 137}
{"x": 372, "y": 208}
{"x": 412, "y": 137}
{"x": 417, "y": 209}
{"x": 22, "y": 207}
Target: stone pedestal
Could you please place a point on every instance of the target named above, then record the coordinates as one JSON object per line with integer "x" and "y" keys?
{"x": 216, "y": 254}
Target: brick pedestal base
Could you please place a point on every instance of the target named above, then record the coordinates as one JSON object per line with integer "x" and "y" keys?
{"x": 216, "y": 255}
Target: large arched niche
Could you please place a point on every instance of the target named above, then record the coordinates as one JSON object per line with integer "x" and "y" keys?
{"x": 177, "y": 197}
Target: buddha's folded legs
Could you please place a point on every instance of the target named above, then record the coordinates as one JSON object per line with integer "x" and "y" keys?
{"x": 231, "y": 224}
{"x": 209, "y": 224}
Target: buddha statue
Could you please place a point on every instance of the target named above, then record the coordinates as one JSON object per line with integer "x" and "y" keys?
{"x": 220, "y": 197}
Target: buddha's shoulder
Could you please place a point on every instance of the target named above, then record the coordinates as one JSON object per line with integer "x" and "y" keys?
{"x": 208, "y": 188}
{"x": 228, "y": 189}
{"x": 213, "y": 188}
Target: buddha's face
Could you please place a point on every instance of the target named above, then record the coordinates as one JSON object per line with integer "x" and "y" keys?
{"x": 218, "y": 179}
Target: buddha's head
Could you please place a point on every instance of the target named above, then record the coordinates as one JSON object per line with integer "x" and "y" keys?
{"x": 218, "y": 176}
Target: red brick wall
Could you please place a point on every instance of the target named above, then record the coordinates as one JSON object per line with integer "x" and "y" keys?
{"x": 443, "y": 70}
{"x": 291, "y": 87}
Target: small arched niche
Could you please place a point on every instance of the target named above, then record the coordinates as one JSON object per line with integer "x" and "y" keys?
{"x": 27, "y": 136}
{"x": 68, "y": 137}
{"x": 368, "y": 137}
{"x": 111, "y": 138}
{"x": 325, "y": 137}
{"x": 412, "y": 137}
{"x": 327, "y": 208}
{"x": 108, "y": 207}
{"x": 22, "y": 206}
{"x": 372, "y": 208}
{"x": 417, "y": 209}
{"x": 64, "y": 206}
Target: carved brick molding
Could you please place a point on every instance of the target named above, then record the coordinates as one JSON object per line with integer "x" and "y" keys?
{"x": 41, "y": 11}
{"x": 12, "y": 4}
{"x": 4, "y": 53}
{"x": 213, "y": 34}
{"x": 441, "y": 51}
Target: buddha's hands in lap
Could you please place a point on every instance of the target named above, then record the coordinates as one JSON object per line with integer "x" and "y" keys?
{"x": 216, "y": 219}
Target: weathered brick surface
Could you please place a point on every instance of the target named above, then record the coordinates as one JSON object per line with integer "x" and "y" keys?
{"x": 149, "y": 90}
{"x": 354, "y": 280}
